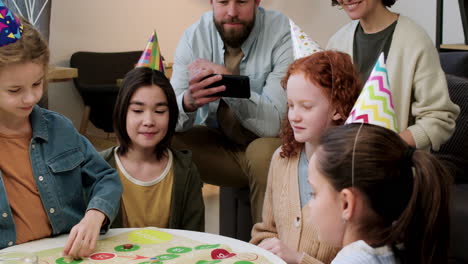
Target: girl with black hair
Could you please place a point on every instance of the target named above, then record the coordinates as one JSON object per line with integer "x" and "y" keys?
{"x": 161, "y": 186}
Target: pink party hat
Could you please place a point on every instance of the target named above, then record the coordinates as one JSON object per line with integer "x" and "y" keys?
{"x": 151, "y": 56}
{"x": 375, "y": 104}
{"x": 303, "y": 45}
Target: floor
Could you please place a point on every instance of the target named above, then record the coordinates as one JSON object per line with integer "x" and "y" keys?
{"x": 102, "y": 141}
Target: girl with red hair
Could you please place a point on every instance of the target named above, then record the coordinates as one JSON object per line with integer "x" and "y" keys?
{"x": 321, "y": 89}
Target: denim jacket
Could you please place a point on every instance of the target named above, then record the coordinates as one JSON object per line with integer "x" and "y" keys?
{"x": 70, "y": 176}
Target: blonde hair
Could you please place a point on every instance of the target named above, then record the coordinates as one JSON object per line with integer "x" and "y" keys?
{"x": 31, "y": 47}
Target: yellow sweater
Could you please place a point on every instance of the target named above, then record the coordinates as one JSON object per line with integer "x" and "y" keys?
{"x": 283, "y": 217}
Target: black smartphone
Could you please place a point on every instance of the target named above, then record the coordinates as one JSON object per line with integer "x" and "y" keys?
{"x": 237, "y": 86}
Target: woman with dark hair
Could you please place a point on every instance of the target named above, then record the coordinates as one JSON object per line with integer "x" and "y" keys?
{"x": 379, "y": 198}
{"x": 425, "y": 114}
{"x": 161, "y": 186}
{"x": 321, "y": 91}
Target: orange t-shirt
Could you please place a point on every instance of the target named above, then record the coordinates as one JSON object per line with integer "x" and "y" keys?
{"x": 30, "y": 218}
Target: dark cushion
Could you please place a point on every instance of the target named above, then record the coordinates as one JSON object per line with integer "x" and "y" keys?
{"x": 235, "y": 219}
{"x": 459, "y": 218}
{"x": 454, "y": 153}
{"x": 455, "y": 63}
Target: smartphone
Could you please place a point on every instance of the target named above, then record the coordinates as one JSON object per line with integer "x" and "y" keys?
{"x": 237, "y": 86}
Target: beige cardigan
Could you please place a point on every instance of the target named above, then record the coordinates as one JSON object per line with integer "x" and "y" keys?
{"x": 282, "y": 215}
{"x": 418, "y": 84}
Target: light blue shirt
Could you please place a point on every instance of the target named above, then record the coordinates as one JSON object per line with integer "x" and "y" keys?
{"x": 360, "y": 253}
{"x": 267, "y": 54}
{"x": 305, "y": 190}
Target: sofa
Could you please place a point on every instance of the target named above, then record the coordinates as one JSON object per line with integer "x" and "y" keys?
{"x": 454, "y": 153}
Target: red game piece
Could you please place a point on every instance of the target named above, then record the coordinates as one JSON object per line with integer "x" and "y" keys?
{"x": 127, "y": 246}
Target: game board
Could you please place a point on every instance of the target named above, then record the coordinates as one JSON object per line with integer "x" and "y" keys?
{"x": 153, "y": 246}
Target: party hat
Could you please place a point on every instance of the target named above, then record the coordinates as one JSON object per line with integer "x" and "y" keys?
{"x": 303, "y": 45}
{"x": 375, "y": 103}
{"x": 151, "y": 56}
{"x": 10, "y": 26}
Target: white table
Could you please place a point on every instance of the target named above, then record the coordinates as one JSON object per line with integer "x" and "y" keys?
{"x": 236, "y": 245}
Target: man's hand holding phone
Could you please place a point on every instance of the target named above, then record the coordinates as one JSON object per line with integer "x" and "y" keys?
{"x": 196, "y": 95}
{"x": 209, "y": 81}
{"x": 202, "y": 64}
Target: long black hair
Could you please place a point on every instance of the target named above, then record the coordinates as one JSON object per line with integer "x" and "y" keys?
{"x": 134, "y": 79}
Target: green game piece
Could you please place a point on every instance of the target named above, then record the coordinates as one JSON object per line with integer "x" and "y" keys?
{"x": 149, "y": 262}
{"x": 122, "y": 249}
{"x": 207, "y": 246}
{"x": 62, "y": 261}
{"x": 243, "y": 262}
{"x": 167, "y": 256}
{"x": 208, "y": 261}
{"x": 179, "y": 250}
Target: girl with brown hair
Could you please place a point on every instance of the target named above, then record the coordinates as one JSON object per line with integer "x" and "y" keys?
{"x": 52, "y": 180}
{"x": 379, "y": 198}
{"x": 321, "y": 91}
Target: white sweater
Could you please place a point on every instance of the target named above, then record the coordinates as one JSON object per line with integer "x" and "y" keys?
{"x": 418, "y": 84}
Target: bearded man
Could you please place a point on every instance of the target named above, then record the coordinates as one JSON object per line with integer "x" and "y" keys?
{"x": 232, "y": 139}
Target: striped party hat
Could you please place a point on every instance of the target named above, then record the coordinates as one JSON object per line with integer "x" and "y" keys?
{"x": 375, "y": 104}
{"x": 151, "y": 56}
{"x": 11, "y": 28}
{"x": 303, "y": 45}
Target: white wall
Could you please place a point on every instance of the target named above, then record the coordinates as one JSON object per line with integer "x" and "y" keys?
{"x": 424, "y": 13}
{"x": 453, "y": 29}
{"x": 103, "y": 25}
{"x": 111, "y": 25}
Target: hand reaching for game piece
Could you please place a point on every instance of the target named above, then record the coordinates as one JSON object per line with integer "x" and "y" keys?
{"x": 275, "y": 246}
{"x": 83, "y": 236}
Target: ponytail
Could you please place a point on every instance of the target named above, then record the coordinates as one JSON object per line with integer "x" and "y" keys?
{"x": 423, "y": 227}
{"x": 406, "y": 189}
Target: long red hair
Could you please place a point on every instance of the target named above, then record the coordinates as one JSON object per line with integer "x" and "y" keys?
{"x": 334, "y": 72}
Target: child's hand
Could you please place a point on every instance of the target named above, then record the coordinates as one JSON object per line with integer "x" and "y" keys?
{"x": 82, "y": 239}
{"x": 275, "y": 246}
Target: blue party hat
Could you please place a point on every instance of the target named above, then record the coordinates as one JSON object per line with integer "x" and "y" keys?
{"x": 11, "y": 28}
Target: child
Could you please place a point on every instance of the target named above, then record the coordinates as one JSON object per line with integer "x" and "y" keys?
{"x": 379, "y": 198}
{"x": 321, "y": 91}
{"x": 426, "y": 115}
{"x": 52, "y": 180}
{"x": 161, "y": 186}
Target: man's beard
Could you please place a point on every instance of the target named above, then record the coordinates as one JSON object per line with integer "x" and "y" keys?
{"x": 234, "y": 38}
